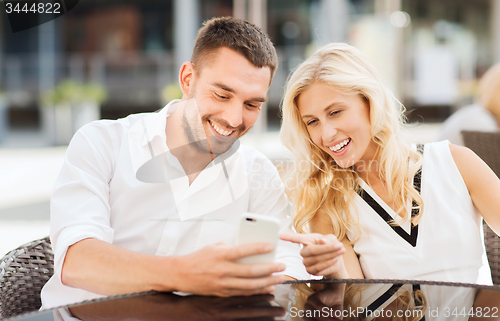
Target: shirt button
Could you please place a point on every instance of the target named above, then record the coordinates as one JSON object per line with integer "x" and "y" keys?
{"x": 165, "y": 252}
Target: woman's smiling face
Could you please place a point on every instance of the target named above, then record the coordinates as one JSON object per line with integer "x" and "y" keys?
{"x": 338, "y": 123}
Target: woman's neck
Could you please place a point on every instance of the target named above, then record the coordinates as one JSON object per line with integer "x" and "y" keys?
{"x": 368, "y": 166}
{"x": 378, "y": 185}
{"x": 368, "y": 171}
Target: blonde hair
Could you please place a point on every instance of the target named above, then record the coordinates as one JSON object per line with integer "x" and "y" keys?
{"x": 315, "y": 183}
{"x": 489, "y": 91}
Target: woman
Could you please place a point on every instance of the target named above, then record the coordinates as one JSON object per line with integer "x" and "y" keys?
{"x": 482, "y": 116}
{"x": 354, "y": 180}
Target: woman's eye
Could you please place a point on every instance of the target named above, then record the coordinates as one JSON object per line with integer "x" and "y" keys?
{"x": 311, "y": 122}
{"x": 336, "y": 112}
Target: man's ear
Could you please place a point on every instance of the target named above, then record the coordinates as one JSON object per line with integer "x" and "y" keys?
{"x": 186, "y": 74}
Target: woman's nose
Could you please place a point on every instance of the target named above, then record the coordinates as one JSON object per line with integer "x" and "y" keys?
{"x": 329, "y": 132}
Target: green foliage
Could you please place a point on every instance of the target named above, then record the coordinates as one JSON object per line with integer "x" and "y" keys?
{"x": 71, "y": 92}
{"x": 171, "y": 92}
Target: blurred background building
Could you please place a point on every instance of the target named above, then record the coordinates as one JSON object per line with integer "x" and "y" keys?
{"x": 431, "y": 53}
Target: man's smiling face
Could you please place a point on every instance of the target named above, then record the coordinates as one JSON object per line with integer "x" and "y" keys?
{"x": 225, "y": 97}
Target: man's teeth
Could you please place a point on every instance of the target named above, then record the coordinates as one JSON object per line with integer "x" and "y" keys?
{"x": 221, "y": 131}
{"x": 340, "y": 145}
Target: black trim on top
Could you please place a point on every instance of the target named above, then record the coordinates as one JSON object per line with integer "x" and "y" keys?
{"x": 381, "y": 300}
{"x": 417, "y": 182}
{"x": 410, "y": 238}
{"x": 387, "y": 295}
{"x": 418, "y": 302}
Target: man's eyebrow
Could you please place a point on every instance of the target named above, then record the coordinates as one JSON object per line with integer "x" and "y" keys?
{"x": 223, "y": 87}
{"x": 226, "y": 88}
{"x": 259, "y": 99}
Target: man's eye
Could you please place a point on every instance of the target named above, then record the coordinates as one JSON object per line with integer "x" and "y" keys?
{"x": 220, "y": 96}
{"x": 253, "y": 105}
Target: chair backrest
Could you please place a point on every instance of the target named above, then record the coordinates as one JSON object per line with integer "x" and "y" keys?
{"x": 492, "y": 244}
{"x": 487, "y": 146}
{"x": 23, "y": 273}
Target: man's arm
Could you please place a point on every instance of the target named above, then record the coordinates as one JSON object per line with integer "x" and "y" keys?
{"x": 81, "y": 235}
{"x": 103, "y": 268}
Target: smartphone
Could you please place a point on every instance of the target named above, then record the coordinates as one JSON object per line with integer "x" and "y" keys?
{"x": 255, "y": 228}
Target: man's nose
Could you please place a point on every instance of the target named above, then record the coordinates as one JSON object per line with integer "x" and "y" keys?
{"x": 233, "y": 115}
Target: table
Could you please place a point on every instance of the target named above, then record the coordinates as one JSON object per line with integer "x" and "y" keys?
{"x": 300, "y": 300}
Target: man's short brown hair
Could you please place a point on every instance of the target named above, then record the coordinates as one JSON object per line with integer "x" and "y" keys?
{"x": 238, "y": 35}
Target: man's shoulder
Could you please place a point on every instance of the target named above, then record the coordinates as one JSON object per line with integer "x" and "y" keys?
{"x": 105, "y": 135}
{"x": 112, "y": 126}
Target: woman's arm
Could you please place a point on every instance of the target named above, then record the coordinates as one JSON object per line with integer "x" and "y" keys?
{"x": 482, "y": 183}
{"x": 323, "y": 254}
{"x": 322, "y": 224}
{"x": 351, "y": 261}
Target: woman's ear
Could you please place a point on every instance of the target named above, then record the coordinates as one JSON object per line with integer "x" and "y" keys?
{"x": 186, "y": 74}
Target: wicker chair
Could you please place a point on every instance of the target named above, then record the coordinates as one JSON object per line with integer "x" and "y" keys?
{"x": 23, "y": 273}
{"x": 487, "y": 146}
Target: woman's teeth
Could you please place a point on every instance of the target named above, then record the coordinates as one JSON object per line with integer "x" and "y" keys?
{"x": 340, "y": 145}
{"x": 221, "y": 131}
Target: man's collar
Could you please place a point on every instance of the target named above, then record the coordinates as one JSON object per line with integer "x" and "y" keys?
{"x": 154, "y": 124}
{"x": 147, "y": 137}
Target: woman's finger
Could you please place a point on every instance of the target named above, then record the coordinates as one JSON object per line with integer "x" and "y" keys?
{"x": 311, "y": 260}
{"x": 308, "y": 238}
{"x": 305, "y": 239}
{"x": 320, "y": 249}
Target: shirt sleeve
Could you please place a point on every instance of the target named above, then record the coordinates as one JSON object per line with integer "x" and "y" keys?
{"x": 269, "y": 198}
{"x": 79, "y": 206}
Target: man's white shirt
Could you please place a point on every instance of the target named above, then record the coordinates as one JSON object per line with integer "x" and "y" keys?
{"x": 120, "y": 184}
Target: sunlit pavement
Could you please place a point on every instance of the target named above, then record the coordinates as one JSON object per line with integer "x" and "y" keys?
{"x": 28, "y": 174}
{"x": 27, "y": 177}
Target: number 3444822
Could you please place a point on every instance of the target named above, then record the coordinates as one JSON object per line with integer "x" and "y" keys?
{"x": 39, "y": 7}
{"x": 484, "y": 312}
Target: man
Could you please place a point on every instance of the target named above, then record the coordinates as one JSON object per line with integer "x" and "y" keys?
{"x": 152, "y": 201}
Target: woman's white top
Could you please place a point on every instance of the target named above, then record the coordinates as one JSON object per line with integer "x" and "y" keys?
{"x": 449, "y": 243}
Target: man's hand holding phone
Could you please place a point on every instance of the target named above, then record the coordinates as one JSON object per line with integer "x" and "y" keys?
{"x": 244, "y": 269}
{"x": 215, "y": 270}
{"x": 256, "y": 228}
